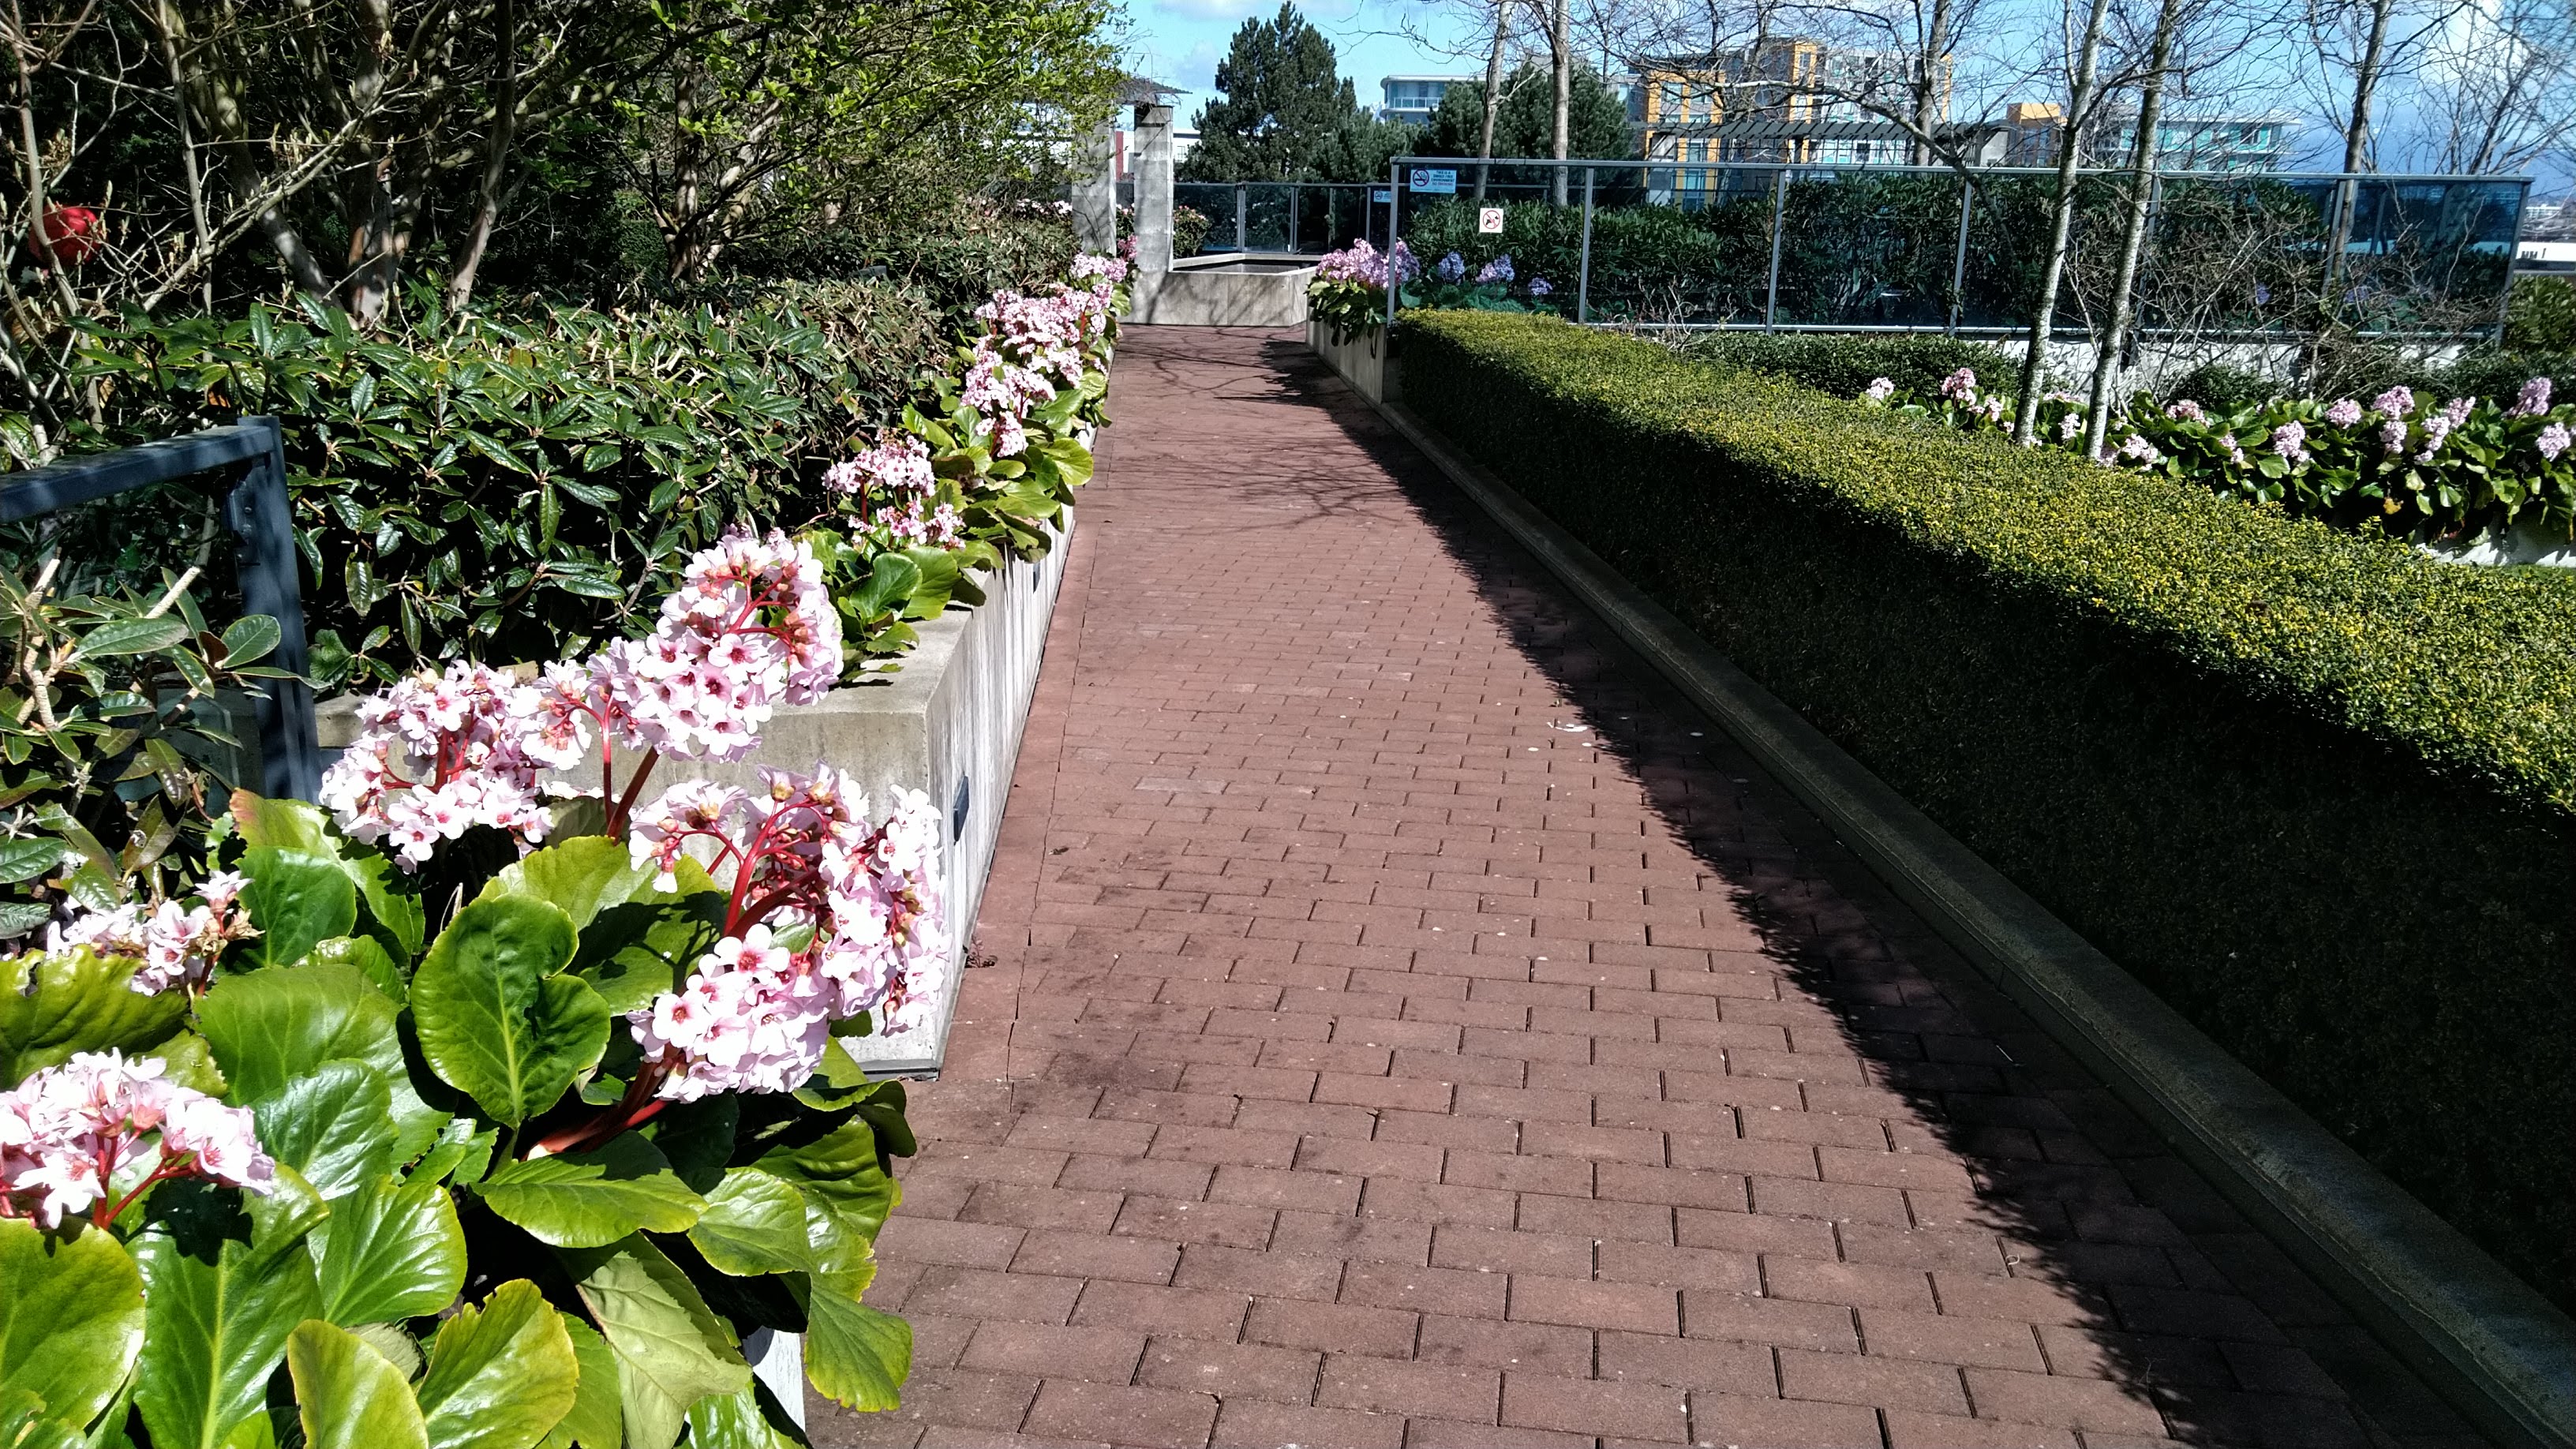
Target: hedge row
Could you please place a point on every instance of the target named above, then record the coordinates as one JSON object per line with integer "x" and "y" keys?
{"x": 2314, "y": 790}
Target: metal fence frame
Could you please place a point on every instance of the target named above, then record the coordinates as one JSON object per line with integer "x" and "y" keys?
{"x": 2347, "y": 190}
{"x": 264, "y": 561}
{"x": 1296, "y": 197}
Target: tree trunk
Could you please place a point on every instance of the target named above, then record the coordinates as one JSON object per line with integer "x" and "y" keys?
{"x": 2143, "y": 160}
{"x": 496, "y": 160}
{"x": 1927, "y": 83}
{"x": 2365, "y": 83}
{"x": 168, "y": 20}
{"x": 1560, "y": 46}
{"x": 2061, "y": 225}
{"x": 1493, "y": 91}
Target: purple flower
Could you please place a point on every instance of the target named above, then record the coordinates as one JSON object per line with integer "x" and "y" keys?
{"x": 1452, "y": 267}
{"x": 2344, "y": 413}
{"x": 2553, "y": 440}
{"x": 1497, "y": 270}
{"x": 1538, "y": 287}
{"x": 2457, "y": 409}
{"x": 2534, "y": 400}
{"x": 2436, "y": 428}
{"x": 2235, "y": 451}
{"x": 2392, "y": 436}
{"x": 2397, "y": 402}
{"x": 1960, "y": 386}
{"x": 2262, "y": 295}
{"x": 2290, "y": 440}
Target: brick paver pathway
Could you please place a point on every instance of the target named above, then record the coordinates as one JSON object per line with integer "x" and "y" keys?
{"x": 1408, "y": 1027}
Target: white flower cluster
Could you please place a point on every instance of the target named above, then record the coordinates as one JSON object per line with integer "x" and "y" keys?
{"x": 437, "y": 756}
{"x": 751, "y": 627}
{"x": 177, "y": 944}
{"x": 756, "y": 1015}
{"x": 68, "y": 1134}
{"x": 897, "y": 464}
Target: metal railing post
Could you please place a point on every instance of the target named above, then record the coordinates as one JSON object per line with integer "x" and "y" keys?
{"x": 1779, "y": 205}
{"x": 265, "y": 563}
{"x": 1242, "y": 243}
{"x": 1583, "y": 279}
{"x": 1959, "y": 260}
{"x": 1394, "y": 278}
{"x": 1294, "y": 191}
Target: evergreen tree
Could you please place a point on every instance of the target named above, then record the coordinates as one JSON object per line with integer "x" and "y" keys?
{"x": 1525, "y": 124}
{"x": 1286, "y": 113}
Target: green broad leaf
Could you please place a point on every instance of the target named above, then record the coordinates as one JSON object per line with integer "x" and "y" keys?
{"x": 1071, "y": 459}
{"x": 250, "y": 639}
{"x": 739, "y": 1420}
{"x": 671, "y": 1349}
{"x": 55, "y": 1005}
{"x": 369, "y": 956}
{"x": 581, "y": 877}
{"x": 461, "y": 1155}
{"x": 24, "y": 1424}
{"x": 297, "y": 899}
{"x": 593, "y": 1199}
{"x": 268, "y": 1026}
{"x": 17, "y": 918}
{"x": 394, "y": 911}
{"x": 847, "y": 1195}
{"x": 855, "y": 1355}
{"x": 131, "y": 636}
{"x": 265, "y": 824}
{"x": 501, "y": 1376}
{"x": 494, "y": 1020}
{"x": 188, "y": 1061}
{"x": 334, "y": 1123}
{"x": 597, "y": 1420}
{"x": 29, "y": 858}
{"x": 71, "y": 1317}
{"x": 754, "y": 1223}
{"x": 636, "y": 942}
{"x": 389, "y": 1250}
{"x": 347, "y": 1395}
{"x": 221, "y": 1310}
{"x": 698, "y": 1137}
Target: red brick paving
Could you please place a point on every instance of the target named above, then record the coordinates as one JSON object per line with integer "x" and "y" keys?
{"x": 1409, "y": 1027}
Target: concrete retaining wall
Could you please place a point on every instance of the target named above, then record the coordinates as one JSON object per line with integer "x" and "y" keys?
{"x": 1361, "y": 361}
{"x": 947, "y": 722}
{"x": 1220, "y": 294}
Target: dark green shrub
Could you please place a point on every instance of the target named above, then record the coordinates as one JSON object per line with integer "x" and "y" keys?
{"x": 1845, "y": 365}
{"x": 2542, "y": 316}
{"x": 2311, "y": 787}
{"x": 957, "y": 256}
{"x": 507, "y": 488}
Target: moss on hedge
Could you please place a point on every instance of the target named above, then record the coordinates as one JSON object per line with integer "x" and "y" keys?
{"x": 2313, "y": 788}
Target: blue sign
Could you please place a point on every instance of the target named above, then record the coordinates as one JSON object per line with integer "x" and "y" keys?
{"x": 1435, "y": 178}
{"x": 1382, "y": 194}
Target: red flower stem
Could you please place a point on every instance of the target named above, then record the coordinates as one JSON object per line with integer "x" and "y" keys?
{"x": 625, "y": 805}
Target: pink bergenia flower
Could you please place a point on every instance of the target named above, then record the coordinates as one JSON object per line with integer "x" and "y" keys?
{"x": 1880, "y": 389}
{"x": 177, "y": 944}
{"x": 2186, "y": 411}
{"x": 2140, "y": 451}
{"x": 2437, "y": 427}
{"x": 2392, "y": 436}
{"x": 69, "y": 1132}
{"x": 898, "y": 463}
{"x": 2457, "y": 411}
{"x": 2290, "y": 441}
{"x": 2235, "y": 450}
{"x": 438, "y": 755}
{"x": 2553, "y": 440}
{"x": 2344, "y": 413}
{"x": 2534, "y": 399}
{"x": 755, "y": 1016}
{"x": 1960, "y": 386}
{"x": 2397, "y": 402}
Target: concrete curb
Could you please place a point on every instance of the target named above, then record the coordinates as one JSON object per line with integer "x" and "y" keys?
{"x": 2503, "y": 1355}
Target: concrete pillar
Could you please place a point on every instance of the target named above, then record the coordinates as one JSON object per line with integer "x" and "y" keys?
{"x": 1154, "y": 188}
{"x": 1095, "y": 190}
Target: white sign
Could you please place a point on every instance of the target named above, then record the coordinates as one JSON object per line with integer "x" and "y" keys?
{"x": 1440, "y": 179}
{"x": 1489, "y": 220}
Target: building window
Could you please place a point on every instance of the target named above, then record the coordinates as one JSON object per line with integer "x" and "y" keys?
{"x": 1673, "y": 104}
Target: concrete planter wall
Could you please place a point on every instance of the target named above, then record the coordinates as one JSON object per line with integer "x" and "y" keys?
{"x": 1362, "y": 361}
{"x": 947, "y": 722}
{"x": 1222, "y": 292}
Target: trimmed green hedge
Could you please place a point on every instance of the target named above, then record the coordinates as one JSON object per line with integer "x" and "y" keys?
{"x": 2312, "y": 788}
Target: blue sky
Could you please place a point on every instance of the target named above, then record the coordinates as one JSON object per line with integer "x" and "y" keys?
{"x": 1181, "y": 41}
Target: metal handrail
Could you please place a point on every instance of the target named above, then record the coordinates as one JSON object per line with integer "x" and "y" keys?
{"x": 264, "y": 561}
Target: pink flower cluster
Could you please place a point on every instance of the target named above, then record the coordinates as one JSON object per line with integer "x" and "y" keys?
{"x": 898, "y": 463}
{"x": 751, "y": 627}
{"x": 437, "y": 756}
{"x": 176, "y": 944}
{"x": 69, "y": 1134}
{"x": 1880, "y": 389}
{"x": 1365, "y": 264}
{"x": 1960, "y": 386}
{"x": 755, "y": 1015}
{"x": 1035, "y": 347}
{"x": 1087, "y": 265}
